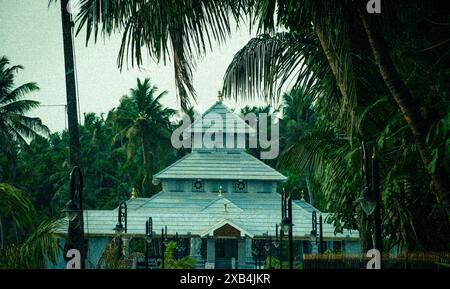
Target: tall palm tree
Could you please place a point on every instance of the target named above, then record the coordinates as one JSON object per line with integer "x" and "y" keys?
{"x": 298, "y": 120}
{"x": 144, "y": 123}
{"x": 340, "y": 38}
{"x": 15, "y": 126}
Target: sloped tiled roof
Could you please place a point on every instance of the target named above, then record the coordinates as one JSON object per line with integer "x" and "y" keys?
{"x": 196, "y": 213}
{"x": 220, "y": 165}
{"x": 231, "y": 121}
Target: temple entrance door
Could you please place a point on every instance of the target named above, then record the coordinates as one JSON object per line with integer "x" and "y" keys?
{"x": 226, "y": 252}
{"x": 226, "y": 247}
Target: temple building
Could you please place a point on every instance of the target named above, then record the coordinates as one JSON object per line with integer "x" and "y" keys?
{"x": 220, "y": 201}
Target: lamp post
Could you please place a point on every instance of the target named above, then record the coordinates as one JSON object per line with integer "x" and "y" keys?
{"x": 255, "y": 253}
{"x": 176, "y": 246}
{"x": 164, "y": 242}
{"x": 313, "y": 233}
{"x": 148, "y": 238}
{"x": 286, "y": 225}
{"x": 260, "y": 252}
{"x": 268, "y": 248}
{"x": 121, "y": 226}
{"x": 377, "y": 212}
{"x": 370, "y": 199}
{"x": 74, "y": 212}
{"x": 180, "y": 247}
{"x": 276, "y": 243}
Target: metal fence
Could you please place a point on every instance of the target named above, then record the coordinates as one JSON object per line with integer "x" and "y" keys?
{"x": 412, "y": 260}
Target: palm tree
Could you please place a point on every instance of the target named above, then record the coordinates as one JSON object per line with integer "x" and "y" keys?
{"x": 333, "y": 28}
{"x": 15, "y": 127}
{"x": 144, "y": 123}
{"x": 41, "y": 244}
{"x": 298, "y": 120}
{"x": 166, "y": 29}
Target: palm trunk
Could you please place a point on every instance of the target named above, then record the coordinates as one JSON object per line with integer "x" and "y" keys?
{"x": 74, "y": 152}
{"x": 309, "y": 187}
{"x": 145, "y": 161}
{"x": 331, "y": 58}
{"x": 409, "y": 108}
{"x": 76, "y": 234}
{"x": 365, "y": 234}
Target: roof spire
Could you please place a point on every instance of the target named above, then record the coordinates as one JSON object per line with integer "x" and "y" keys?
{"x": 220, "y": 192}
{"x": 220, "y": 97}
{"x": 134, "y": 194}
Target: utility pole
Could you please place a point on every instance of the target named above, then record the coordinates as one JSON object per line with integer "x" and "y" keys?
{"x": 290, "y": 237}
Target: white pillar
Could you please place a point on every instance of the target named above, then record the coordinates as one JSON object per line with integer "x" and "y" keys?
{"x": 248, "y": 252}
{"x": 195, "y": 250}
{"x": 126, "y": 246}
{"x": 211, "y": 250}
{"x": 315, "y": 247}
{"x": 241, "y": 261}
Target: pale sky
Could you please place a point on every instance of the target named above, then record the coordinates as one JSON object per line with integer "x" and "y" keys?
{"x": 31, "y": 35}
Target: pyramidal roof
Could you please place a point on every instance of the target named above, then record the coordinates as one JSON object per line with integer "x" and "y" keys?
{"x": 224, "y": 165}
{"x": 228, "y": 164}
{"x": 231, "y": 122}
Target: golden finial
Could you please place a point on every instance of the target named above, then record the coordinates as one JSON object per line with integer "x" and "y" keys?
{"x": 134, "y": 194}
{"x": 303, "y": 195}
{"x": 374, "y": 153}
{"x": 220, "y": 191}
{"x": 219, "y": 97}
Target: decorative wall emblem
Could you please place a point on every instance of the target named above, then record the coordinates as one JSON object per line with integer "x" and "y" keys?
{"x": 198, "y": 186}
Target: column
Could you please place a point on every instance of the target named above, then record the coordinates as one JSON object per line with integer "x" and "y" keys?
{"x": 248, "y": 253}
{"x": 314, "y": 247}
{"x": 126, "y": 246}
{"x": 195, "y": 251}
{"x": 211, "y": 250}
{"x": 241, "y": 261}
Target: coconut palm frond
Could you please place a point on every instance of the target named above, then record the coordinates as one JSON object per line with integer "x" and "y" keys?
{"x": 165, "y": 29}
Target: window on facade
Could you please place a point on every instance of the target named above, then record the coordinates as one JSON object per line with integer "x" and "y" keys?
{"x": 240, "y": 186}
{"x": 198, "y": 186}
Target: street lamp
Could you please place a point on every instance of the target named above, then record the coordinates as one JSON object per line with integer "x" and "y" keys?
{"x": 148, "y": 238}
{"x": 313, "y": 234}
{"x": 149, "y": 230}
{"x": 121, "y": 226}
{"x": 268, "y": 248}
{"x": 370, "y": 199}
{"x": 180, "y": 247}
{"x": 176, "y": 246}
{"x": 74, "y": 213}
{"x": 286, "y": 224}
{"x": 255, "y": 253}
{"x": 164, "y": 243}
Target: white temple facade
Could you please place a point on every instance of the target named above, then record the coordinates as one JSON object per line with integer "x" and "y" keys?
{"x": 221, "y": 202}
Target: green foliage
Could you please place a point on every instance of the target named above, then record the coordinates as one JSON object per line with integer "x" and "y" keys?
{"x": 170, "y": 263}
{"x": 110, "y": 256}
{"x": 40, "y": 246}
{"x": 144, "y": 125}
{"x": 15, "y": 127}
